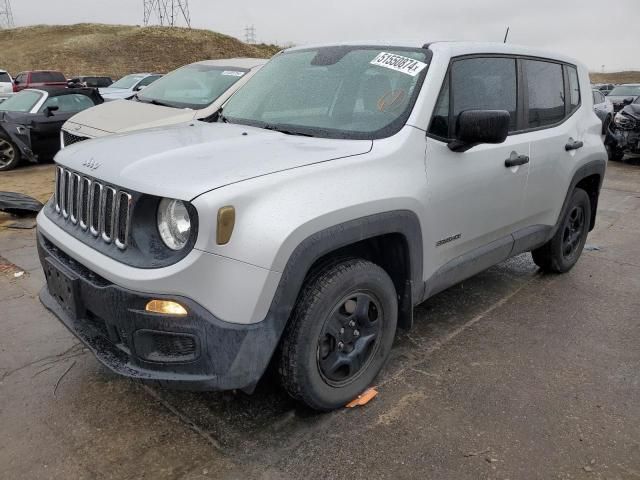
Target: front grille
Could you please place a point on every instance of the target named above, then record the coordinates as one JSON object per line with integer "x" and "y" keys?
{"x": 88, "y": 204}
{"x": 70, "y": 138}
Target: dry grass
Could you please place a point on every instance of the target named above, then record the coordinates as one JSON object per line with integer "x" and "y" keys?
{"x": 617, "y": 77}
{"x": 116, "y": 50}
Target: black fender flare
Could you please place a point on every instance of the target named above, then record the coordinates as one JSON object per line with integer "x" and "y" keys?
{"x": 316, "y": 246}
{"x": 595, "y": 167}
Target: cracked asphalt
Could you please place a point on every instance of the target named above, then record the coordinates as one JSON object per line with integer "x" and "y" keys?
{"x": 511, "y": 375}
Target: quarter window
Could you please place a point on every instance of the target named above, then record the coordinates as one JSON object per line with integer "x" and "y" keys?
{"x": 574, "y": 89}
{"x": 545, "y": 93}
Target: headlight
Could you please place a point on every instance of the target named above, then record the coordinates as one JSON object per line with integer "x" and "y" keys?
{"x": 623, "y": 121}
{"x": 174, "y": 223}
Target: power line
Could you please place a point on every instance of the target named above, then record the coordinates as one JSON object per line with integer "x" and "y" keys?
{"x": 6, "y": 15}
{"x": 169, "y": 13}
{"x": 250, "y": 34}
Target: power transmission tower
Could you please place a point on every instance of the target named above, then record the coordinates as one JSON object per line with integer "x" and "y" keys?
{"x": 250, "y": 34}
{"x": 166, "y": 12}
{"x": 6, "y": 15}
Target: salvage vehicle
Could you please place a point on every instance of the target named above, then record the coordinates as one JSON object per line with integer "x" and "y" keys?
{"x": 603, "y": 108}
{"x": 30, "y": 122}
{"x": 336, "y": 190}
{"x": 623, "y": 135}
{"x": 191, "y": 92}
{"x": 620, "y": 93}
{"x": 6, "y": 85}
{"x": 605, "y": 88}
{"x": 128, "y": 86}
{"x": 39, "y": 79}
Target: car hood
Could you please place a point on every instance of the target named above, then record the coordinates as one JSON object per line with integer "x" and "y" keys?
{"x": 125, "y": 116}
{"x": 186, "y": 160}
{"x": 632, "y": 110}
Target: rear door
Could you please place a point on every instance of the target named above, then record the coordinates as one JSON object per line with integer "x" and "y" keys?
{"x": 476, "y": 200}
{"x": 552, "y": 99}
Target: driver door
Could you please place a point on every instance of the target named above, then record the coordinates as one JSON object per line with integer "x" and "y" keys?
{"x": 475, "y": 198}
{"x": 47, "y": 123}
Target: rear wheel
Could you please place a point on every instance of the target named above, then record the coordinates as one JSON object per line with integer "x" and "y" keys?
{"x": 9, "y": 154}
{"x": 340, "y": 334}
{"x": 562, "y": 252}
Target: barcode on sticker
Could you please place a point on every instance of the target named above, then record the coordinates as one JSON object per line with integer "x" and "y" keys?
{"x": 399, "y": 63}
{"x": 233, "y": 73}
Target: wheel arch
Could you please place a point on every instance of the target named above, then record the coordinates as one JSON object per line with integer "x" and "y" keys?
{"x": 589, "y": 177}
{"x": 393, "y": 240}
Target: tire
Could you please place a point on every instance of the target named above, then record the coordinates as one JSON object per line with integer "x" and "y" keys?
{"x": 605, "y": 124}
{"x": 10, "y": 156}
{"x": 562, "y": 252}
{"x": 614, "y": 153}
{"x": 322, "y": 365}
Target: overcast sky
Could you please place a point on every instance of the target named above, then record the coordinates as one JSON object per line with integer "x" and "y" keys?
{"x": 596, "y": 32}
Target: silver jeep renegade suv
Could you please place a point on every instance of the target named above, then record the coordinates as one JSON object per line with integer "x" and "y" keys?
{"x": 300, "y": 225}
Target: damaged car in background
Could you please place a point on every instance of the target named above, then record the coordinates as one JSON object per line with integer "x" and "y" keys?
{"x": 623, "y": 135}
{"x": 30, "y": 122}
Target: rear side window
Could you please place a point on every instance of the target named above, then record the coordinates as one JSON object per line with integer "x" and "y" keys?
{"x": 45, "y": 77}
{"x": 4, "y": 77}
{"x": 476, "y": 84}
{"x": 597, "y": 97}
{"x": 545, "y": 93}
{"x": 574, "y": 89}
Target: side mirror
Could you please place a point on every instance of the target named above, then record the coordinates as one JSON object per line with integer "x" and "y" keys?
{"x": 475, "y": 127}
{"x": 141, "y": 87}
{"x": 48, "y": 112}
{"x": 627, "y": 101}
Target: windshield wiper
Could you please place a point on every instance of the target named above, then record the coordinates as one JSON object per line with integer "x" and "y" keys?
{"x": 276, "y": 128}
{"x": 159, "y": 103}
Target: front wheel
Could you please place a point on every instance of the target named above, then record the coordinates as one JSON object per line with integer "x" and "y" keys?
{"x": 340, "y": 334}
{"x": 562, "y": 252}
{"x": 9, "y": 154}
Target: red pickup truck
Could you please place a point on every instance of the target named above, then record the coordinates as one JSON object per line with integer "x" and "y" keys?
{"x": 39, "y": 78}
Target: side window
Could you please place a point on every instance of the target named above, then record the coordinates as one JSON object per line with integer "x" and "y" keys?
{"x": 597, "y": 97}
{"x": 440, "y": 121}
{"x": 20, "y": 78}
{"x": 574, "y": 89}
{"x": 68, "y": 103}
{"x": 147, "y": 81}
{"x": 484, "y": 84}
{"x": 545, "y": 92}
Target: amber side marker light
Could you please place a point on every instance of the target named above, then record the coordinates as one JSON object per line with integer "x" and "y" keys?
{"x": 165, "y": 307}
{"x": 226, "y": 222}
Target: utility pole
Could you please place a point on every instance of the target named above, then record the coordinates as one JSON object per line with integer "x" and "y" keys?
{"x": 250, "y": 34}
{"x": 168, "y": 13}
{"x": 6, "y": 15}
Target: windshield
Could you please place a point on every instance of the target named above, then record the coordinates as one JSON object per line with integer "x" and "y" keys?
{"x": 193, "y": 86}
{"x": 127, "y": 82}
{"x": 4, "y": 77}
{"x": 21, "y": 102}
{"x": 333, "y": 92}
{"x": 623, "y": 90}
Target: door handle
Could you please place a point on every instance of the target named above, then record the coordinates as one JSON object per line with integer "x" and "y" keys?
{"x": 573, "y": 145}
{"x": 516, "y": 160}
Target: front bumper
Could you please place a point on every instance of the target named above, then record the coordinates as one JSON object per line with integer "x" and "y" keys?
{"x": 196, "y": 352}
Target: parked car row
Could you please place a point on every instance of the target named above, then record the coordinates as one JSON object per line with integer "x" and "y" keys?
{"x": 31, "y": 130}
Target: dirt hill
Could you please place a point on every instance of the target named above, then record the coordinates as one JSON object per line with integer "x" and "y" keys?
{"x": 116, "y": 50}
{"x": 617, "y": 77}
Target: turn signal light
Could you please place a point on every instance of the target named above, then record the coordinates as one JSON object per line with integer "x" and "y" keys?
{"x": 226, "y": 222}
{"x": 165, "y": 307}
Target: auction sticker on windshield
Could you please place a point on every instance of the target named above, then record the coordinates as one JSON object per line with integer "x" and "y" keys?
{"x": 233, "y": 73}
{"x": 399, "y": 63}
